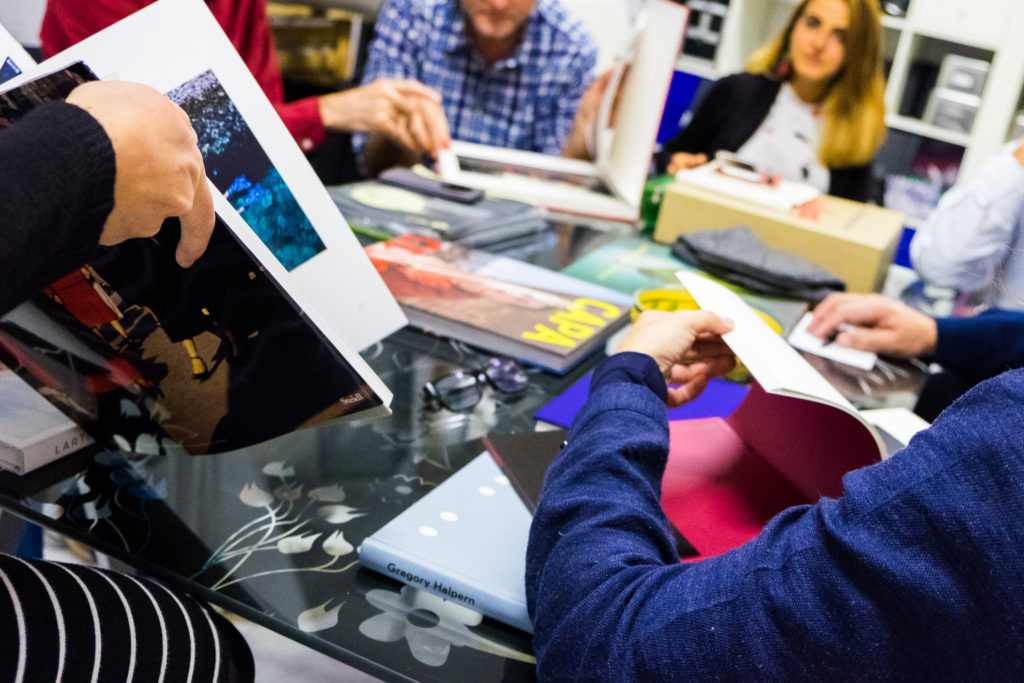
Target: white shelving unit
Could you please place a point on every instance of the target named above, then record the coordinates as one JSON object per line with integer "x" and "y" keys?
{"x": 987, "y": 30}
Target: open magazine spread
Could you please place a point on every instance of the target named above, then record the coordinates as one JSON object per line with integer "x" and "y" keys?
{"x": 232, "y": 351}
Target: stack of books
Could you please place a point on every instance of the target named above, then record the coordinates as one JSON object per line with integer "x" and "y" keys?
{"x": 500, "y": 304}
{"x": 385, "y": 211}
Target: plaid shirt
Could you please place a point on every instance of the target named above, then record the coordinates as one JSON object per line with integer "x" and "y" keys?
{"x": 527, "y": 101}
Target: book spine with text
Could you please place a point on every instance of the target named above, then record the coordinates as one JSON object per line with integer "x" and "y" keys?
{"x": 394, "y": 562}
{"x": 25, "y": 457}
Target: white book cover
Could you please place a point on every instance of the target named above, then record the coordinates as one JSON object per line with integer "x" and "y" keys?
{"x": 612, "y": 186}
{"x": 177, "y": 47}
{"x": 465, "y": 541}
{"x": 33, "y": 432}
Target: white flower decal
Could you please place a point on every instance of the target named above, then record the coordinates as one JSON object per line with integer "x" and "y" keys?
{"x": 318, "y": 619}
{"x": 339, "y": 514}
{"x": 290, "y": 545}
{"x": 336, "y": 545}
{"x": 278, "y": 469}
{"x": 328, "y": 494}
{"x": 255, "y": 497}
{"x": 430, "y": 625}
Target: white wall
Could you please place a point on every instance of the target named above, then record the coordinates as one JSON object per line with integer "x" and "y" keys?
{"x": 23, "y": 18}
{"x": 609, "y": 22}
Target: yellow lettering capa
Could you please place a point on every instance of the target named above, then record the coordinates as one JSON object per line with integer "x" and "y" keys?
{"x": 543, "y": 333}
{"x": 578, "y": 322}
{"x": 607, "y": 310}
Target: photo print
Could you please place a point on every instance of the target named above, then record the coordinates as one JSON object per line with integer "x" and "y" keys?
{"x": 239, "y": 167}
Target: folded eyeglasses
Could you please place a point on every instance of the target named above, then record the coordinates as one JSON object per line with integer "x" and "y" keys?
{"x": 463, "y": 389}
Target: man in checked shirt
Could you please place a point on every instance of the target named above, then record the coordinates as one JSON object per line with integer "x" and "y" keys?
{"x": 511, "y": 73}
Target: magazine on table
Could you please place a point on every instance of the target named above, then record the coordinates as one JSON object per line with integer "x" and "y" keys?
{"x": 500, "y": 304}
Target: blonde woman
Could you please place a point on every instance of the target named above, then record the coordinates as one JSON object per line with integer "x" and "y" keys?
{"x": 809, "y": 106}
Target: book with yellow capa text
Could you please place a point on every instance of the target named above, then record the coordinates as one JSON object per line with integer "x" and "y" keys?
{"x": 505, "y": 306}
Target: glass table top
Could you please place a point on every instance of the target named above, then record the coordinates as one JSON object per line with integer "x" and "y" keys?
{"x": 270, "y": 532}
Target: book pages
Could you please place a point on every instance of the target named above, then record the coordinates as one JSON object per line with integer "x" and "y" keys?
{"x": 776, "y": 365}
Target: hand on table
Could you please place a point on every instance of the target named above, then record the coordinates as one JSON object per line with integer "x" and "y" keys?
{"x": 405, "y": 111}
{"x": 682, "y": 161}
{"x": 160, "y": 171}
{"x": 686, "y": 345}
{"x": 875, "y": 323}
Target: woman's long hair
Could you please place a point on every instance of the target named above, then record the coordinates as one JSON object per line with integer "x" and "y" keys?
{"x": 854, "y": 104}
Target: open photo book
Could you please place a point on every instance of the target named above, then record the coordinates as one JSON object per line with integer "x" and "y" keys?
{"x": 177, "y": 47}
{"x": 252, "y": 341}
{"x": 610, "y": 187}
{"x": 789, "y": 442}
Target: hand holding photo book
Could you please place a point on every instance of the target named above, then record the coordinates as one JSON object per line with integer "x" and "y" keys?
{"x": 153, "y": 358}
{"x": 789, "y": 442}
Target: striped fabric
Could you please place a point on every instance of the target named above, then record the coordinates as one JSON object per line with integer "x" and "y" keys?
{"x": 527, "y": 101}
{"x": 73, "y": 623}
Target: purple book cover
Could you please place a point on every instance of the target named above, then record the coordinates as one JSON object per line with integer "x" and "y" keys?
{"x": 719, "y": 399}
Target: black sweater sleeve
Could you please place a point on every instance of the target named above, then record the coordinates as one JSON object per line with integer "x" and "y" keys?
{"x": 730, "y": 112}
{"x": 57, "y": 189}
{"x": 727, "y": 115}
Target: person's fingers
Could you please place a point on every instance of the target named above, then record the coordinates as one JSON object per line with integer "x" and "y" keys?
{"x": 874, "y": 339}
{"x": 401, "y": 105}
{"x": 420, "y": 135}
{"x": 682, "y": 373}
{"x": 396, "y": 126}
{"x": 823, "y": 317}
{"x": 675, "y": 164}
{"x": 183, "y": 115}
{"x": 408, "y": 87}
{"x": 196, "y": 227}
{"x": 436, "y": 124}
{"x": 707, "y": 322}
{"x": 704, "y": 349}
{"x": 685, "y": 393}
{"x": 854, "y": 311}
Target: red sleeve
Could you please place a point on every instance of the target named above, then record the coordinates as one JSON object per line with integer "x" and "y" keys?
{"x": 302, "y": 118}
{"x": 244, "y": 21}
{"x": 65, "y": 23}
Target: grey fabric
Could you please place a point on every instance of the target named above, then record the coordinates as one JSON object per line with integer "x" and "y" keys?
{"x": 738, "y": 256}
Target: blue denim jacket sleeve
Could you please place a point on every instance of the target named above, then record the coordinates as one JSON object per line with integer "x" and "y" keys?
{"x": 914, "y": 572}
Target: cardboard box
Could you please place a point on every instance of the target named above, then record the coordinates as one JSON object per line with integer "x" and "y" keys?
{"x": 854, "y": 241}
